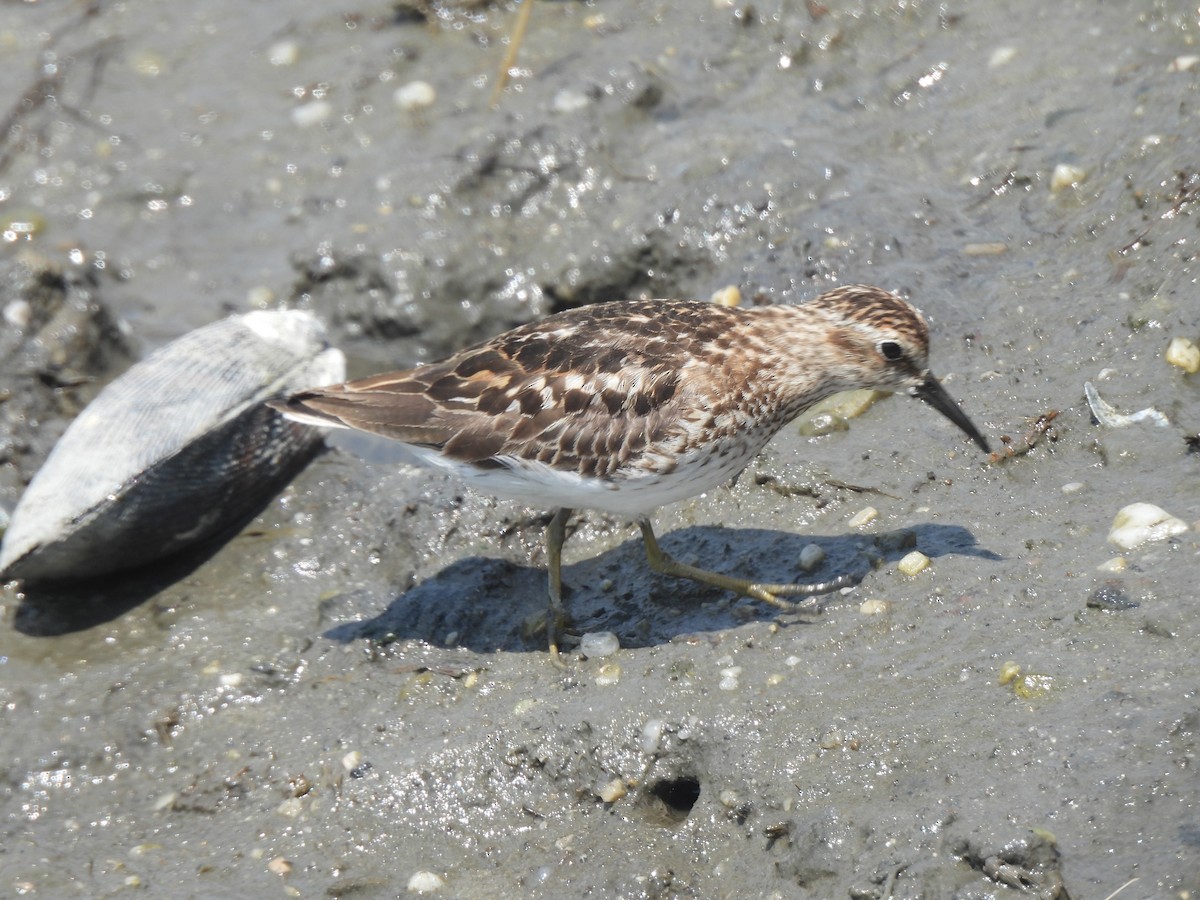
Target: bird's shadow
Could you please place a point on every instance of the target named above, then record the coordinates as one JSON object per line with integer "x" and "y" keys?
{"x": 487, "y": 605}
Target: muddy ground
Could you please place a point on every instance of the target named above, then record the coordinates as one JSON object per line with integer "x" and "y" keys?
{"x": 349, "y": 699}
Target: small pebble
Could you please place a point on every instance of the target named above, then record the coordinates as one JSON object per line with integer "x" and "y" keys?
{"x": 414, "y": 96}
{"x": 1139, "y": 523}
{"x": 727, "y": 798}
{"x": 811, "y": 557}
{"x": 727, "y": 296}
{"x": 609, "y": 674}
{"x": 986, "y": 248}
{"x": 1010, "y": 671}
{"x": 18, "y": 313}
{"x": 569, "y": 101}
{"x": 280, "y": 866}
{"x": 424, "y": 882}
{"x": 1182, "y": 63}
{"x": 283, "y": 53}
{"x": 1115, "y": 565}
{"x": 874, "y": 607}
{"x": 652, "y": 733}
{"x": 312, "y": 113}
{"x": 729, "y": 678}
{"x": 913, "y": 563}
{"x": 1073, "y": 487}
{"x": 1001, "y": 56}
{"x": 612, "y": 791}
{"x": 1066, "y": 176}
{"x": 352, "y": 760}
{"x": 863, "y": 517}
{"x": 524, "y": 706}
{"x": 166, "y": 801}
{"x": 1184, "y": 353}
{"x": 598, "y": 644}
{"x": 831, "y": 740}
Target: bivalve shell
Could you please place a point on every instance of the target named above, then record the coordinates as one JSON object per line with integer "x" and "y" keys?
{"x": 173, "y": 452}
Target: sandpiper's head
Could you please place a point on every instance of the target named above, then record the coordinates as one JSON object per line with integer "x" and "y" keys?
{"x": 885, "y": 343}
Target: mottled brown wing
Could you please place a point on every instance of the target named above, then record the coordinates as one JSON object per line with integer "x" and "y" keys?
{"x": 581, "y": 391}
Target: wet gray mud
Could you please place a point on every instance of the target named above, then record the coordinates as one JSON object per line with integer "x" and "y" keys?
{"x": 351, "y": 697}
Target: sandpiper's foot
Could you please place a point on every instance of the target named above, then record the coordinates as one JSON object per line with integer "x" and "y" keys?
{"x": 660, "y": 561}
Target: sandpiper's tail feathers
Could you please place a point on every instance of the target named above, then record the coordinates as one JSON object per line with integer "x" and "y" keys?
{"x": 404, "y": 417}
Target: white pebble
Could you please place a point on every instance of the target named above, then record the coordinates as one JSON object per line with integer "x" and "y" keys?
{"x": 352, "y": 760}
{"x": 1182, "y": 63}
{"x": 18, "y": 314}
{"x": 1115, "y": 565}
{"x": 313, "y": 113}
{"x": 863, "y": 517}
{"x": 652, "y": 733}
{"x": 1073, "y": 487}
{"x": 1001, "y": 56}
{"x": 414, "y": 95}
{"x": 569, "y": 101}
{"x": 425, "y": 882}
{"x": 811, "y": 557}
{"x": 1139, "y": 523}
{"x": 874, "y": 607}
{"x": 1066, "y": 176}
{"x": 283, "y": 53}
{"x": 1184, "y": 353}
{"x": 985, "y": 248}
{"x": 729, "y": 678}
{"x": 598, "y": 644}
{"x": 913, "y": 563}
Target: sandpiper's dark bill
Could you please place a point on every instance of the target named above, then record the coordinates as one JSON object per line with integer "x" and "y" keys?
{"x": 932, "y": 392}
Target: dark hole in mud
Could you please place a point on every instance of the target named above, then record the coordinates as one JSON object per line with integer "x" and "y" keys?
{"x": 678, "y": 795}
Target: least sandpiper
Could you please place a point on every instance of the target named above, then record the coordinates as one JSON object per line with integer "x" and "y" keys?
{"x": 627, "y": 406}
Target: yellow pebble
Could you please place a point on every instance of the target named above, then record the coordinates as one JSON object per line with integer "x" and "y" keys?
{"x": 727, "y": 296}
{"x": 1184, "y": 353}
{"x": 913, "y": 563}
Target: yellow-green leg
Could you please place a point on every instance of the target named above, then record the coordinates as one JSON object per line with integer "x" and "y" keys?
{"x": 556, "y": 534}
{"x": 768, "y": 593}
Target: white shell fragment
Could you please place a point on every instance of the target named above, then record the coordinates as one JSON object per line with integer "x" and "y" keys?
{"x": 1139, "y": 523}
{"x": 1110, "y": 418}
{"x": 175, "y": 451}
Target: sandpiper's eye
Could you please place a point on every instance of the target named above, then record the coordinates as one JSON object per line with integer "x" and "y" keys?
{"x": 890, "y": 350}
